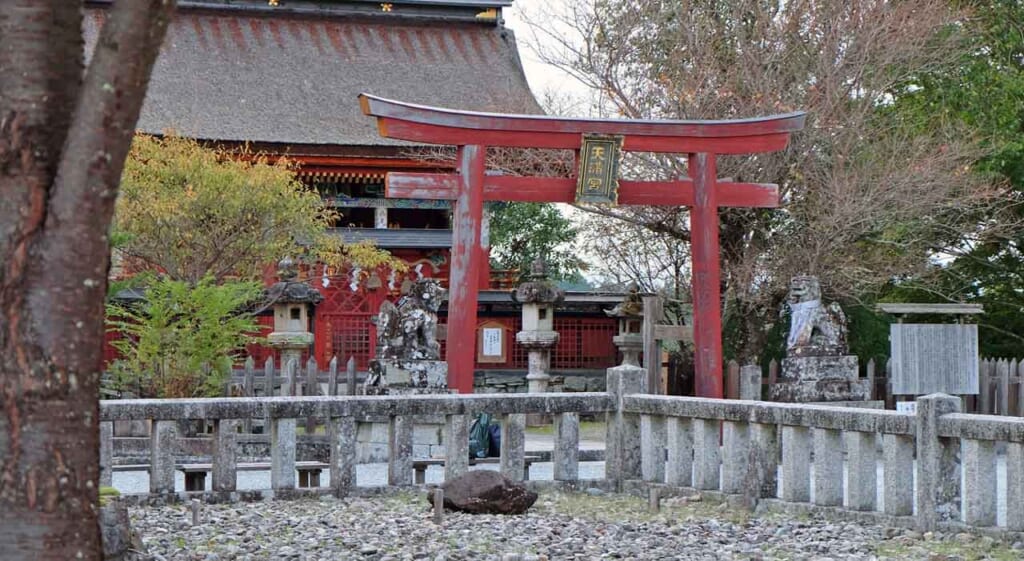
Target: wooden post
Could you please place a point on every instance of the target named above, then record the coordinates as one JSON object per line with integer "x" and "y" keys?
{"x": 732, "y": 381}
{"x": 871, "y": 378}
{"x": 350, "y": 370}
{"x": 707, "y": 314}
{"x": 1013, "y": 403}
{"x": 1003, "y": 373}
{"x": 249, "y": 390}
{"x": 985, "y": 388}
{"x": 268, "y": 389}
{"x": 653, "y": 311}
{"x": 312, "y": 388}
{"x": 438, "y": 506}
{"x": 268, "y": 378}
{"x": 1020, "y": 388}
{"x": 332, "y": 377}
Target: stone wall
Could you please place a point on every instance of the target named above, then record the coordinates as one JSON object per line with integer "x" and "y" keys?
{"x": 514, "y": 381}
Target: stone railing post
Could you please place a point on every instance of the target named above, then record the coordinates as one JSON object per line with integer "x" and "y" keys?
{"x": 938, "y": 463}
{"x": 828, "y": 467}
{"x": 862, "y": 470}
{"x": 735, "y": 456}
{"x": 762, "y": 469}
{"x": 796, "y": 464}
{"x": 898, "y": 452}
{"x": 106, "y": 453}
{"x": 565, "y": 457}
{"x": 1015, "y": 486}
{"x": 161, "y": 457}
{"x": 342, "y": 434}
{"x": 225, "y": 467}
{"x": 513, "y": 446}
{"x": 707, "y": 456}
{"x": 456, "y": 445}
{"x": 622, "y": 448}
{"x": 282, "y": 454}
{"x": 679, "y": 445}
{"x": 980, "y": 482}
{"x": 652, "y": 447}
{"x": 400, "y": 450}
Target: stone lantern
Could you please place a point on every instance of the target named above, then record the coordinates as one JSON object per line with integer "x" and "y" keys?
{"x": 292, "y": 302}
{"x": 630, "y": 313}
{"x": 538, "y": 296}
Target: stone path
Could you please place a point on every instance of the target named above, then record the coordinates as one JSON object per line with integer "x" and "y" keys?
{"x": 573, "y": 527}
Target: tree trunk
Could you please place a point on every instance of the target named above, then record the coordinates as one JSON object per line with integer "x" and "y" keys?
{"x": 62, "y": 148}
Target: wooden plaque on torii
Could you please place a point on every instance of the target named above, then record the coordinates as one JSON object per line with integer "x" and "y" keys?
{"x": 470, "y": 186}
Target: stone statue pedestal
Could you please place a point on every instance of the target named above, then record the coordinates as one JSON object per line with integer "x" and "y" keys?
{"x": 820, "y": 379}
{"x": 408, "y": 377}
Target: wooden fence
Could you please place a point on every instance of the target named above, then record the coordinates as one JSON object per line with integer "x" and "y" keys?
{"x": 1000, "y": 381}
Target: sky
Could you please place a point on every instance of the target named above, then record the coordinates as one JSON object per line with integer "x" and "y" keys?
{"x": 541, "y": 76}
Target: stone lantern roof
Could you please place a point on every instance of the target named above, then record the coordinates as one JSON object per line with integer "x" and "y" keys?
{"x": 288, "y": 290}
{"x": 538, "y": 289}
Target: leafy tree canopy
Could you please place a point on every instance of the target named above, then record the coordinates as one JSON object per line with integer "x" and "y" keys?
{"x": 192, "y": 212}
{"x": 983, "y": 92}
{"x": 522, "y": 232}
{"x": 181, "y": 340}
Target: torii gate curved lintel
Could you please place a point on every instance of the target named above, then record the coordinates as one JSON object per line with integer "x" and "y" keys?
{"x": 473, "y": 132}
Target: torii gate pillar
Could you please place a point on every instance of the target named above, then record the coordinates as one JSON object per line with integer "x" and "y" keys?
{"x": 473, "y": 132}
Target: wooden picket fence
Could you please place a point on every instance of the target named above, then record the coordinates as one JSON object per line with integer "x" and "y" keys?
{"x": 291, "y": 380}
{"x": 1000, "y": 381}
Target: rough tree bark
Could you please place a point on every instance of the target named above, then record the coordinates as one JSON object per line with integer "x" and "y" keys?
{"x": 63, "y": 141}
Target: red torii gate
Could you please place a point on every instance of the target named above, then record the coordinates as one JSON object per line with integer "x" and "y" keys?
{"x": 473, "y": 132}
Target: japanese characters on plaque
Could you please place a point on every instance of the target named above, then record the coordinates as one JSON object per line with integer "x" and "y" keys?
{"x": 491, "y": 342}
{"x": 598, "y": 181}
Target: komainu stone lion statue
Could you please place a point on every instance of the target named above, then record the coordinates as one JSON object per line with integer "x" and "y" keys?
{"x": 408, "y": 330}
{"x": 815, "y": 329}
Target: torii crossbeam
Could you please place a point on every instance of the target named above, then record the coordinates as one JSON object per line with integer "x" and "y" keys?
{"x": 473, "y": 132}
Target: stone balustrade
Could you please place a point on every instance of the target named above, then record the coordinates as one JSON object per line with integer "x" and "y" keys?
{"x": 341, "y": 414}
{"x": 829, "y": 456}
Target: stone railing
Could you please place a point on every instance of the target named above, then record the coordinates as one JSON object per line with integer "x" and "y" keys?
{"x": 756, "y": 437}
{"x": 341, "y": 415}
{"x": 730, "y": 447}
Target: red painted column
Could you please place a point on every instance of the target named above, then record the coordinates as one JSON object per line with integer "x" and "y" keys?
{"x": 707, "y": 311}
{"x": 467, "y": 217}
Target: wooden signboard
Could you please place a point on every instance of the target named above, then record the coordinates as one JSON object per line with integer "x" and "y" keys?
{"x": 929, "y": 358}
{"x": 490, "y": 342}
{"x": 598, "y": 181}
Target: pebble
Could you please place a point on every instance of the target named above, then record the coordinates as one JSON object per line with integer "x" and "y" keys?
{"x": 397, "y": 527}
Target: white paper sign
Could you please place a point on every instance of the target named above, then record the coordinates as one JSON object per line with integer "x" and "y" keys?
{"x": 906, "y": 407}
{"x": 492, "y": 341}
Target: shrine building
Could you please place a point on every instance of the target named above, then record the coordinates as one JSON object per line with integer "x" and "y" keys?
{"x": 283, "y": 78}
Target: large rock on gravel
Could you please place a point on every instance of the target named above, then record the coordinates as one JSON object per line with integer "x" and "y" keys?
{"x": 486, "y": 492}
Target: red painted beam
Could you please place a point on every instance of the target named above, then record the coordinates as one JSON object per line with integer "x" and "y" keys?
{"x": 437, "y": 134}
{"x": 391, "y": 114}
{"x": 442, "y": 186}
{"x": 704, "y": 247}
{"x": 467, "y": 218}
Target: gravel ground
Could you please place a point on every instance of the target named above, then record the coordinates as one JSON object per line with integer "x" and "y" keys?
{"x": 560, "y": 526}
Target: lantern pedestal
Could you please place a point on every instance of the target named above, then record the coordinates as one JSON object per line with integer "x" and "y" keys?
{"x": 398, "y": 376}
